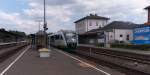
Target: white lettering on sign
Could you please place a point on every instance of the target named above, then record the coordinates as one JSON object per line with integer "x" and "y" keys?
{"x": 140, "y": 30}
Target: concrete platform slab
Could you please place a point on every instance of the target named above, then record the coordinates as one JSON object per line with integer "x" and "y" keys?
{"x": 58, "y": 63}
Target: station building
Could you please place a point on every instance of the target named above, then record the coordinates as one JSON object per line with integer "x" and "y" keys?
{"x": 94, "y": 29}
{"x": 93, "y": 21}
{"x": 89, "y": 27}
{"x": 114, "y": 32}
{"x": 92, "y": 32}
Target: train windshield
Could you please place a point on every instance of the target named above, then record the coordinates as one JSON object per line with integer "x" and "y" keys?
{"x": 70, "y": 37}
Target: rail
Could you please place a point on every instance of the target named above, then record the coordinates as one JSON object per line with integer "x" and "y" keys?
{"x": 8, "y": 49}
{"x": 123, "y": 58}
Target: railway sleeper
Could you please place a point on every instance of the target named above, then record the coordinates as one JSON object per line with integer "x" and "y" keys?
{"x": 9, "y": 52}
{"x": 120, "y": 62}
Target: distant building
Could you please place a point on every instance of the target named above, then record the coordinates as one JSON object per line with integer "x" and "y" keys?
{"x": 114, "y": 32}
{"x": 90, "y": 22}
{"x": 119, "y": 32}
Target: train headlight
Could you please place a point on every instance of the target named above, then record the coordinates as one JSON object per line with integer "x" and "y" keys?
{"x": 73, "y": 40}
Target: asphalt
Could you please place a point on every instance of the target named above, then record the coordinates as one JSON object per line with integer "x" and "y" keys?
{"x": 59, "y": 63}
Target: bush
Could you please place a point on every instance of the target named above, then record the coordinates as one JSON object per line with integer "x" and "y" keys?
{"x": 100, "y": 44}
{"x": 131, "y": 46}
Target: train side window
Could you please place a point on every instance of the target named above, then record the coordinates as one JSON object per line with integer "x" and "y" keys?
{"x": 61, "y": 38}
{"x": 52, "y": 39}
{"x": 56, "y": 37}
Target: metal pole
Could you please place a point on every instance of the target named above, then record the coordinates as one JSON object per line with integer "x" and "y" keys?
{"x": 44, "y": 14}
{"x": 114, "y": 33}
{"x": 45, "y": 25}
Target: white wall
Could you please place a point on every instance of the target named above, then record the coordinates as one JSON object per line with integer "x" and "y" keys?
{"x": 89, "y": 24}
{"x": 94, "y": 24}
{"x": 80, "y": 27}
{"x": 118, "y": 32}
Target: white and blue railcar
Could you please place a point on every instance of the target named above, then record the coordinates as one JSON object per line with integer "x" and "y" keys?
{"x": 66, "y": 39}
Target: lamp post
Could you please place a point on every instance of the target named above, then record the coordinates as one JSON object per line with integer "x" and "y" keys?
{"x": 45, "y": 25}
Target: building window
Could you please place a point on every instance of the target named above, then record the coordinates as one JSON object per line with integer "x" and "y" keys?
{"x": 90, "y": 24}
{"x": 111, "y": 36}
{"x": 121, "y": 35}
{"x": 103, "y": 24}
{"x": 127, "y": 37}
{"x": 96, "y": 23}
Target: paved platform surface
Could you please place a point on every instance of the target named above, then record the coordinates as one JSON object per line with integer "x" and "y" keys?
{"x": 59, "y": 63}
{"x": 120, "y": 49}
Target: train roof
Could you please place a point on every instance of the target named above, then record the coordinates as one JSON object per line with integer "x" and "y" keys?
{"x": 62, "y": 31}
{"x": 65, "y": 31}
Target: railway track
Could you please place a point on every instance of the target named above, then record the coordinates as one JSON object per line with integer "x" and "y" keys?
{"x": 126, "y": 57}
{"x": 126, "y": 62}
{"x": 7, "y": 52}
{"x": 144, "y": 59}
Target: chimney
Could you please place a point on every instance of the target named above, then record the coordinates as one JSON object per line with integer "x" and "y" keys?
{"x": 91, "y": 14}
{"x": 148, "y": 21}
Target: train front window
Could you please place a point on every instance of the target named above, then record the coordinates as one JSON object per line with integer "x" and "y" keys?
{"x": 71, "y": 37}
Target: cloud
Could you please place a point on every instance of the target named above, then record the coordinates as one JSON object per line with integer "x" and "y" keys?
{"x": 54, "y": 2}
{"x": 62, "y": 13}
{"x": 53, "y": 12}
{"x": 116, "y": 9}
{"x": 14, "y": 21}
{"x": 56, "y": 15}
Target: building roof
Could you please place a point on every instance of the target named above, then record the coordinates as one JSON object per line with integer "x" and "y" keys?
{"x": 142, "y": 25}
{"x": 120, "y": 25}
{"x": 113, "y": 25}
{"x": 148, "y": 7}
{"x": 91, "y": 16}
{"x": 94, "y": 30}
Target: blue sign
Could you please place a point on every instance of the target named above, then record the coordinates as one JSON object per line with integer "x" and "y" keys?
{"x": 141, "y": 35}
{"x": 142, "y": 30}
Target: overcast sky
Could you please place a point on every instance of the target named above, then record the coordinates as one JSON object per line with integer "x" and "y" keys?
{"x": 23, "y": 14}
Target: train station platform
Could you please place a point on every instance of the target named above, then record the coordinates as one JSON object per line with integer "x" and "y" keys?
{"x": 59, "y": 63}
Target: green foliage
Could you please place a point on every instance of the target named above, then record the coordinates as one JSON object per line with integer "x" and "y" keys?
{"x": 2, "y": 29}
{"x": 131, "y": 46}
{"x": 100, "y": 45}
{"x": 18, "y": 33}
{"x": 9, "y": 36}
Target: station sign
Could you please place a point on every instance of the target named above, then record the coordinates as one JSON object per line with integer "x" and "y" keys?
{"x": 142, "y": 30}
{"x": 142, "y": 35}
